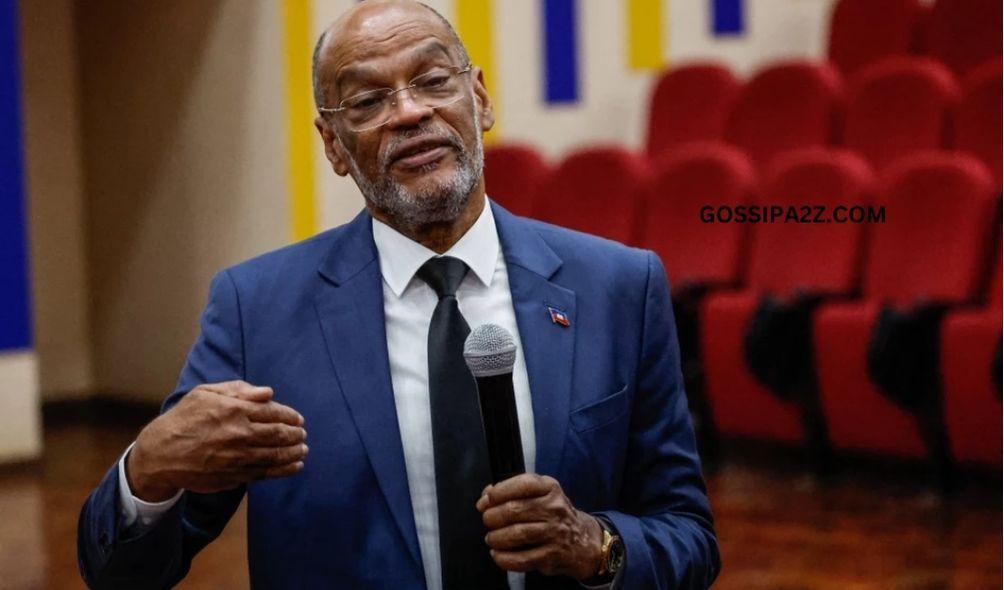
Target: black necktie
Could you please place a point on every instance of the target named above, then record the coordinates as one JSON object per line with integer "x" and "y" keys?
{"x": 458, "y": 438}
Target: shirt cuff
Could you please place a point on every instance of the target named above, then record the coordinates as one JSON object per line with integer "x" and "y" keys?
{"x": 136, "y": 512}
{"x": 613, "y": 585}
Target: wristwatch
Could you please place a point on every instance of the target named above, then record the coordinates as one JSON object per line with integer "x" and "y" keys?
{"x": 613, "y": 550}
{"x": 612, "y": 555}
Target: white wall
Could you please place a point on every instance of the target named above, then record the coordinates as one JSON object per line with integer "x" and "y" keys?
{"x": 775, "y": 30}
{"x": 20, "y": 424}
{"x": 54, "y": 185}
{"x": 185, "y": 166}
{"x": 609, "y": 93}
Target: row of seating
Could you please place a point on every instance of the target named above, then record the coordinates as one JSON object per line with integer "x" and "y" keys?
{"x": 900, "y": 76}
{"x": 941, "y": 208}
{"x": 887, "y": 109}
{"x": 959, "y": 33}
{"x": 905, "y": 116}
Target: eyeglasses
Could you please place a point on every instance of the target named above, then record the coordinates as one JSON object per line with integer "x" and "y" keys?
{"x": 373, "y": 108}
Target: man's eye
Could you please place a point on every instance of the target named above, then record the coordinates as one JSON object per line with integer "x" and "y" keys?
{"x": 435, "y": 81}
{"x": 366, "y": 102}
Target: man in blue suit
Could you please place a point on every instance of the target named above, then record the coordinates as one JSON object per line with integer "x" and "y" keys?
{"x": 355, "y": 336}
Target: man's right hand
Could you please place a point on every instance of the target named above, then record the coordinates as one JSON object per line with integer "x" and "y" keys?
{"x": 219, "y": 436}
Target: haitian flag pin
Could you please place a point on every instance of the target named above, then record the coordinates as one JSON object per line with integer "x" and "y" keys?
{"x": 558, "y": 317}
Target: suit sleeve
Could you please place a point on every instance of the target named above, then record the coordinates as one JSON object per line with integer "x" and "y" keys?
{"x": 664, "y": 516}
{"x": 109, "y": 554}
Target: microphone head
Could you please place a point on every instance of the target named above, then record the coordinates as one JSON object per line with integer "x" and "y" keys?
{"x": 490, "y": 350}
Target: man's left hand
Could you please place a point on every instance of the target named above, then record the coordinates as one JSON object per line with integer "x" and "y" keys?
{"x": 532, "y": 525}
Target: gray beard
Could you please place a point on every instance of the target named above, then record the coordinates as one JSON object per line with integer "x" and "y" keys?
{"x": 438, "y": 203}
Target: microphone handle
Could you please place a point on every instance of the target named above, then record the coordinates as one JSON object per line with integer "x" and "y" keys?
{"x": 501, "y": 423}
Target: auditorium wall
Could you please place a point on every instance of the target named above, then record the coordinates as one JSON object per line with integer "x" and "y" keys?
{"x": 54, "y": 178}
{"x": 157, "y": 152}
{"x": 184, "y": 165}
{"x": 20, "y": 428}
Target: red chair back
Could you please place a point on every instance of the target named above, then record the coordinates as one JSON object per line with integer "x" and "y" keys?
{"x": 978, "y": 119}
{"x": 512, "y": 176}
{"x": 690, "y": 103}
{"x": 786, "y": 106}
{"x": 815, "y": 257}
{"x": 963, "y": 33}
{"x": 864, "y": 31}
{"x": 939, "y": 218}
{"x": 899, "y": 106}
{"x": 684, "y": 181}
{"x": 994, "y": 297}
{"x": 594, "y": 190}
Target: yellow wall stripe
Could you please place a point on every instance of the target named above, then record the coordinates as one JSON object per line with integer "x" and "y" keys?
{"x": 297, "y": 49}
{"x": 473, "y": 20}
{"x": 644, "y": 34}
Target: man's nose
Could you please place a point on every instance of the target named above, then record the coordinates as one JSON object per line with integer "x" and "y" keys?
{"x": 406, "y": 110}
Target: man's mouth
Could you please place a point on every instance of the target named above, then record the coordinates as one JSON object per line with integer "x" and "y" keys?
{"x": 420, "y": 152}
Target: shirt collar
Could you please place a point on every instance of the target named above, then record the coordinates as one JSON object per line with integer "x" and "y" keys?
{"x": 401, "y": 257}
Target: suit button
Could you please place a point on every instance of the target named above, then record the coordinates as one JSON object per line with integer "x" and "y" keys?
{"x": 103, "y": 539}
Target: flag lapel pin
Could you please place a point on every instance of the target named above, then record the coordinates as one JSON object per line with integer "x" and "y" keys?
{"x": 558, "y": 317}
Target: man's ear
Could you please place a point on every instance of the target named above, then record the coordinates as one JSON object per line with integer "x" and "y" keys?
{"x": 486, "y": 116}
{"x": 332, "y": 147}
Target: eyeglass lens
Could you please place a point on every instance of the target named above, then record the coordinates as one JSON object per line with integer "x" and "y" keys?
{"x": 434, "y": 89}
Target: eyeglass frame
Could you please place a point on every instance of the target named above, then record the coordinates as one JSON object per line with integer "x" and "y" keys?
{"x": 457, "y": 70}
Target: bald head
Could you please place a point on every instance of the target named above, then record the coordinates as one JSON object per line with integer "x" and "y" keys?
{"x": 369, "y": 17}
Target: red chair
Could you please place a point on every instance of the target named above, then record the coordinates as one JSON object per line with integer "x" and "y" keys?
{"x": 899, "y": 106}
{"x": 594, "y": 190}
{"x": 786, "y": 106}
{"x": 783, "y": 257}
{"x": 939, "y": 218}
{"x": 699, "y": 256}
{"x": 963, "y": 33}
{"x": 684, "y": 181}
{"x": 512, "y": 174}
{"x": 969, "y": 342}
{"x": 690, "y": 103}
{"x": 978, "y": 118}
{"x": 865, "y": 31}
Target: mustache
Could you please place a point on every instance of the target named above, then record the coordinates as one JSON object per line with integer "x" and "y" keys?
{"x": 424, "y": 131}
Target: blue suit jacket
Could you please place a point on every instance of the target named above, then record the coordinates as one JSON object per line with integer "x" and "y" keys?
{"x": 610, "y": 414}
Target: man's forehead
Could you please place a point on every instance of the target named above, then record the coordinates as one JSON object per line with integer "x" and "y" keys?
{"x": 372, "y": 27}
{"x": 367, "y": 35}
{"x": 363, "y": 61}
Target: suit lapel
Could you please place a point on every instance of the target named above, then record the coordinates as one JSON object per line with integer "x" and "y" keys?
{"x": 548, "y": 347}
{"x": 350, "y": 309}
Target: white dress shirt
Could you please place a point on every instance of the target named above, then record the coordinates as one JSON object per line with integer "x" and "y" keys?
{"x": 483, "y": 297}
{"x": 408, "y": 303}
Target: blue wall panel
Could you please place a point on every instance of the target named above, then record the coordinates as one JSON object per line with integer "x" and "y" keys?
{"x": 15, "y": 318}
{"x": 727, "y": 17}
{"x": 561, "y": 54}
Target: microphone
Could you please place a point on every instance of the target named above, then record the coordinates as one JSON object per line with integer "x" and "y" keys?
{"x": 490, "y": 353}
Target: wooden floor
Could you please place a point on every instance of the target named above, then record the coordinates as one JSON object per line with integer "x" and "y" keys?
{"x": 778, "y": 530}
